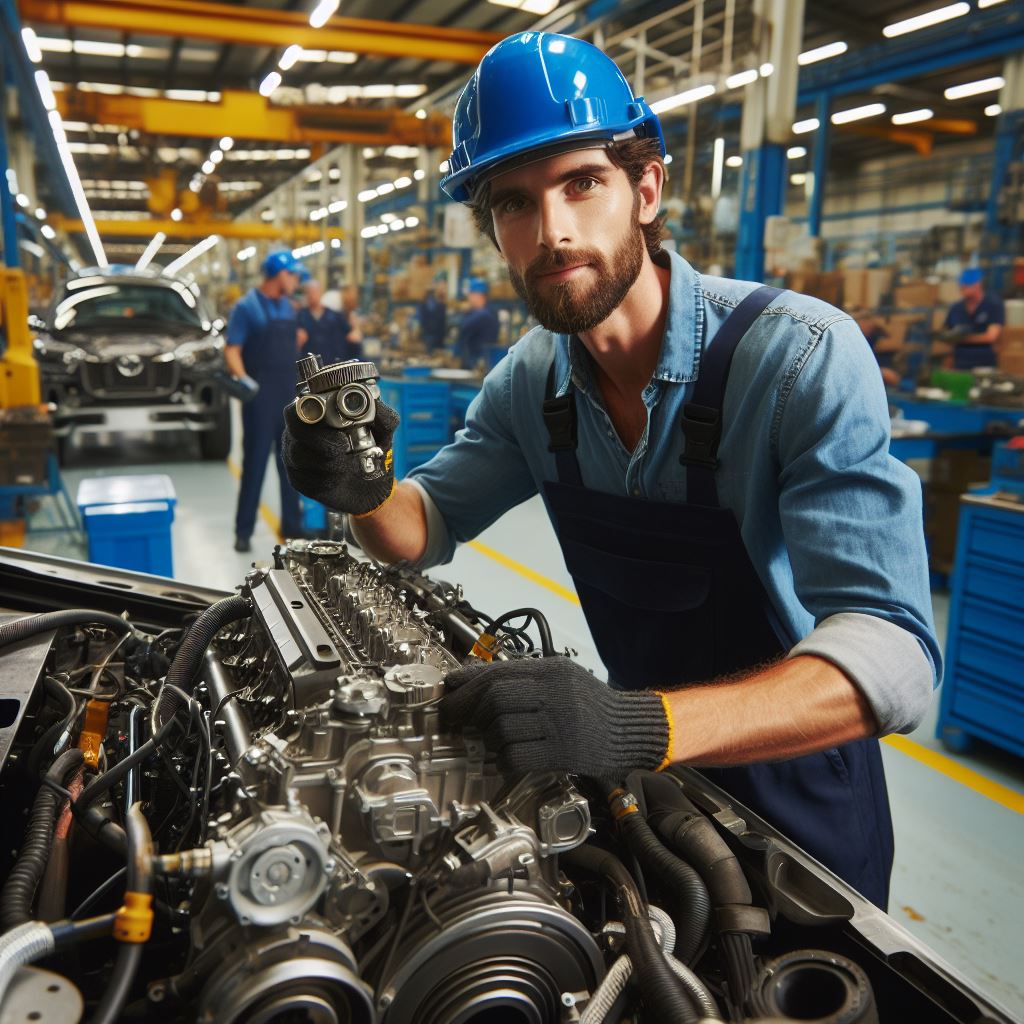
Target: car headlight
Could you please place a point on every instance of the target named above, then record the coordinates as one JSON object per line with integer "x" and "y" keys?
{"x": 51, "y": 352}
{"x": 204, "y": 352}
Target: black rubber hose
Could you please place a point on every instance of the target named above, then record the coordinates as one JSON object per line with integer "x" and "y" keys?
{"x": 210, "y": 622}
{"x": 129, "y": 955}
{"x": 19, "y": 629}
{"x": 664, "y": 997}
{"x": 691, "y": 902}
{"x": 674, "y": 817}
{"x": 20, "y": 888}
{"x": 42, "y": 752}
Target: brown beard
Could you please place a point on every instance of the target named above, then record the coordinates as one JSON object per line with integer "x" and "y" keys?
{"x": 571, "y": 307}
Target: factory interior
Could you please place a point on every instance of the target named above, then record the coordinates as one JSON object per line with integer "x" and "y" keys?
{"x": 208, "y": 204}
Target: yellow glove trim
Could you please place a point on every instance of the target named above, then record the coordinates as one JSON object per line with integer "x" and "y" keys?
{"x": 373, "y": 511}
{"x": 134, "y": 921}
{"x": 667, "y": 759}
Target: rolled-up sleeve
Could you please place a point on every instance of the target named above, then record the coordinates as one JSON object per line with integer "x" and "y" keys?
{"x": 472, "y": 482}
{"x": 852, "y": 520}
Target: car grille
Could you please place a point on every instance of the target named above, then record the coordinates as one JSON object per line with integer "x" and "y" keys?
{"x": 105, "y": 380}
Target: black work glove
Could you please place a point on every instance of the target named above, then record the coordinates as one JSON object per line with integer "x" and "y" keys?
{"x": 552, "y": 715}
{"x": 321, "y": 464}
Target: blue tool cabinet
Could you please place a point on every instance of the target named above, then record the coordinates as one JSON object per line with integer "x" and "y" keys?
{"x": 983, "y": 691}
{"x": 425, "y": 410}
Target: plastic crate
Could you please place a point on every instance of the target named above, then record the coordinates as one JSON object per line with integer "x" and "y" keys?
{"x": 314, "y": 515}
{"x": 128, "y": 521}
{"x": 424, "y": 408}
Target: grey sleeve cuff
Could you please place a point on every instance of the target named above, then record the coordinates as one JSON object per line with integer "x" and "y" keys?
{"x": 884, "y": 661}
{"x": 440, "y": 546}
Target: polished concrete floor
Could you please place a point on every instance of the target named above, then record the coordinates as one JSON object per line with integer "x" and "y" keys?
{"x": 958, "y": 883}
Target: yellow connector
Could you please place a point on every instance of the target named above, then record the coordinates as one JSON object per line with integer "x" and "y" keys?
{"x": 134, "y": 921}
{"x": 94, "y": 728}
{"x": 484, "y": 647}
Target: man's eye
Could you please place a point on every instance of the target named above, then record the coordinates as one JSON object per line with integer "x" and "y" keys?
{"x": 511, "y": 205}
{"x": 585, "y": 184}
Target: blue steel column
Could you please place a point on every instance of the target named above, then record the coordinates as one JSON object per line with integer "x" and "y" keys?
{"x": 762, "y": 192}
{"x": 822, "y": 142}
{"x": 7, "y": 211}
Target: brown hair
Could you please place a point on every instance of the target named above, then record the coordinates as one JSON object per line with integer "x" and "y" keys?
{"x": 632, "y": 155}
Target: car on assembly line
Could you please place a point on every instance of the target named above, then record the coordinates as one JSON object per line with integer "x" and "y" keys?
{"x": 128, "y": 351}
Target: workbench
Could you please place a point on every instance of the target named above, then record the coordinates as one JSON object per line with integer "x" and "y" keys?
{"x": 952, "y": 425}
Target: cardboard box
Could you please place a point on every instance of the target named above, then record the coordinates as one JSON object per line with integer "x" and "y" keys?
{"x": 877, "y": 285}
{"x": 948, "y": 292}
{"x": 1011, "y": 362}
{"x": 954, "y": 470}
{"x": 855, "y": 283}
{"x": 917, "y": 293}
{"x": 942, "y": 518}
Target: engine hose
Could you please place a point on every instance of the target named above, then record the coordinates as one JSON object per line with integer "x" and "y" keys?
{"x": 30, "y": 625}
{"x": 22, "y": 945}
{"x": 740, "y": 969}
{"x": 20, "y": 888}
{"x": 57, "y": 734}
{"x": 691, "y": 902}
{"x": 129, "y": 953}
{"x": 662, "y": 994}
{"x": 210, "y": 622}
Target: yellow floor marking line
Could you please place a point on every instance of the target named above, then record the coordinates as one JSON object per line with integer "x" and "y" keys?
{"x": 948, "y": 766}
{"x": 265, "y": 514}
{"x": 953, "y": 769}
{"x": 522, "y": 570}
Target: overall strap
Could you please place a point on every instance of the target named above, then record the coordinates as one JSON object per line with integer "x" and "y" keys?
{"x": 560, "y": 420}
{"x": 702, "y": 416}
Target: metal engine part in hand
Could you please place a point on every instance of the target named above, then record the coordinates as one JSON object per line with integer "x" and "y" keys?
{"x": 304, "y": 974}
{"x": 345, "y": 396}
{"x": 357, "y": 802}
{"x": 41, "y": 996}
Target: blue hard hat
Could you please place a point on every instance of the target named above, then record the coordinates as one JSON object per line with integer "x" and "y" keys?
{"x": 280, "y": 260}
{"x": 970, "y": 276}
{"x": 478, "y": 284}
{"x": 536, "y": 93}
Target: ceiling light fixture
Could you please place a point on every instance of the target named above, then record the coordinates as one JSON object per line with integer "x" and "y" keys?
{"x": 858, "y": 113}
{"x": 680, "y": 99}
{"x": 821, "y": 53}
{"x": 31, "y": 41}
{"x": 993, "y": 110}
{"x": 84, "y": 213}
{"x": 270, "y": 83}
{"x": 151, "y": 250}
{"x": 812, "y": 124}
{"x": 796, "y": 152}
{"x": 742, "y": 78}
{"x": 913, "y": 116}
{"x": 960, "y": 92}
{"x": 195, "y": 252}
{"x": 926, "y": 20}
{"x": 319, "y": 15}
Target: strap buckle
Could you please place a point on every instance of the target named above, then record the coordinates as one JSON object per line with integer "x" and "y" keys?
{"x": 560, "y": 420}
{"x": 702, "y": 430}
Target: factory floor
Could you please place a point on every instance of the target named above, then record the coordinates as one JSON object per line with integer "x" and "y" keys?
{"x": 957, "y": 883}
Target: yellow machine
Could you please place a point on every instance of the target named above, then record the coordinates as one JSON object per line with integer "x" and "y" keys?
{"x": 19, "y": 379}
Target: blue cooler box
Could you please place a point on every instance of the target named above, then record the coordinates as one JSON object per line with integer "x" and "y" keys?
{"x": 128, "y": 521}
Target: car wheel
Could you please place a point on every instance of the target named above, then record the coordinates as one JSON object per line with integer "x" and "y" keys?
{"x": 215, "y": 444}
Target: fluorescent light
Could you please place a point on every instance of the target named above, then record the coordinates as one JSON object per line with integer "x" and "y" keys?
{"x": 795, "y": 152}
{"x": 31, "y": 42}
{"x": 798, "y": 179}
{"x": 270, "y": 83}
{"x": 247, "y": 253}
{"x": 443, "y": 167}
{"x": 176, "y": 214}
{"x": 396, "y": 225}
{"x": 95, "y": 48}
{"x": 767, "y": 69}
{"x": 741, "y": 78}
{"x": 717, "y": 163}
{"x": 216, "y": 156}
{"x": 385, "y": 189}
{"x": 411, "y": 222}
{"x": 84, "y": 213}
{"x": 734, "y": 161}
{"x": 403, "y": 182}
{"x": 40, "y": 213}
{"x": 369, "y": 232}
{"x": 821, "y": 53}
{"x": 289, "y": 57}
{"x": 803, "y": 127}
{"x": 45, "y": 90}
{"x": 226, "y": 143}
{"x": 913, "y": 116}
{"x": 959, "y": 92}
{"x": 388, "y": 217}
{"x": 926, "y": 20}
{"x": 48, "y": 232}
{"x": 337, "y": 206}
{"x": 988, "y": 3}
{"x": 367, "y": 194}
{"x": 335, "y": 243}
{"x": 539, "y": 7}
{"x": 680, "y": 99}
{"x": 192, "y": 95}
{"x": 419, "y": 174}
{"x": 858, "y": 113}
{"x": 323, "y": 10}
{"x": 196, "y": 251}
{"x": 209, "y": 167}
{"x": 151, "y": 250}
{"x": 421, "y": 114}
{"x": 993, "y": 110}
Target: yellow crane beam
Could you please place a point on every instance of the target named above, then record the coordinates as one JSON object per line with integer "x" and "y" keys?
{"x": 248, "y": 115}
{"x": 186, "y": 230}
{"x": 249, "y": 25}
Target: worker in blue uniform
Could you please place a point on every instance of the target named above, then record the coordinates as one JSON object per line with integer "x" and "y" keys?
{"x": 263, "y": 342}
{"x": 713, "y": 455}
{"x": 327, "y": 330}
{"x": 479, "y": 327}
{"x": 432, "y": 314}
{"x": 977, "y": 322}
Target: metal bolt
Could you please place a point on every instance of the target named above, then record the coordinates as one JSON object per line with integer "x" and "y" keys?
{"x": 329, "y": 865}
{"x": 222, "y": 891}
{"x": 278, "y": 873}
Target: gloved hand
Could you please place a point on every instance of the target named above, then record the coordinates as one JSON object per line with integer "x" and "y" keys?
{"x": 550, "y": 714}
{"x": 321, "y": 464}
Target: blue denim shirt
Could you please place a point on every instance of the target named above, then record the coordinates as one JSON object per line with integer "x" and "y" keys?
{"x": 832, "y": 522}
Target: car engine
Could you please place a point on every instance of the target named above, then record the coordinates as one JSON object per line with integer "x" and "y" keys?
{"x": 250, "y": 810}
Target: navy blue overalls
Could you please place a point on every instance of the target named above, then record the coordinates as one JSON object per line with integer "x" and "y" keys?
{"x": 269, "y": 355}
{"x": 671, "y": 597}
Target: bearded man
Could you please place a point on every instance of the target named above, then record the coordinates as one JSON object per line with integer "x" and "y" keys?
{"x": 714, "y": 458}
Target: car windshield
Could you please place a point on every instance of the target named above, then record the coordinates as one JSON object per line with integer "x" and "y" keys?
{"x": 115, "y": 306}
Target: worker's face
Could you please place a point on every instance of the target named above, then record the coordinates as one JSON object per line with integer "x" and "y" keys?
{"x": 972, "y": 292}
{"x": 477, "y": 300}
{"x": 569, "y": 228}
{"x": 313, "y": 294}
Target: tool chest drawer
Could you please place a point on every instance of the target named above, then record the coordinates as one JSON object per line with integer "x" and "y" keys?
{"x": 982, "y": 693}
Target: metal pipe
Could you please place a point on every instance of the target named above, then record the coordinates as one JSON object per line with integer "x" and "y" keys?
{"x": 131, "y": 789}
{"x": 237, "y": 736}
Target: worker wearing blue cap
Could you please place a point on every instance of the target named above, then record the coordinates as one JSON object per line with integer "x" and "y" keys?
{"x": 263, "y": 342}
{"x": 977, "y": 320}
{"x": 479, "y": 327}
